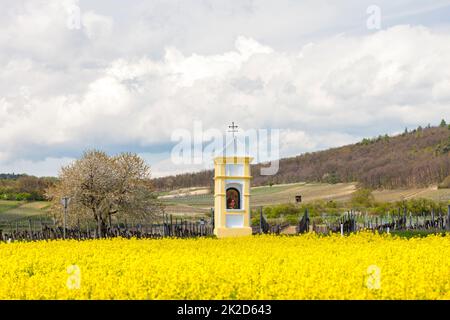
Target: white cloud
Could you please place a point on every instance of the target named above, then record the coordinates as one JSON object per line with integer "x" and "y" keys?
{"x": 96, "y": 26}
{"x": 106, "y": 86}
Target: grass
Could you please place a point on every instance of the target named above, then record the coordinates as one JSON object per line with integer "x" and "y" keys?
{"x": 399, "y": 194}
{"x": 416, "y": 233}
{"x": 6, "y": 205}
{"x": 266, "y": 190}
{"x": 276, "y": 194}
{"x": 285, "y": 193}
{"x": 12, "y": 212}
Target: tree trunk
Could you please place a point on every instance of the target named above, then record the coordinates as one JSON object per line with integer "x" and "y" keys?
{"x": 99, "y": 227}
{"x": 104, "y": 228}
{"x": 97, "y": 218}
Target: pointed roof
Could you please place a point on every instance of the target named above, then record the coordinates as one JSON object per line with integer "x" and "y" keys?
{"x": 235, "y": 147}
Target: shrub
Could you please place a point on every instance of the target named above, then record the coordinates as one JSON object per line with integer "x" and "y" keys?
{"x": 23, "y": 196}
{"x": 445, "y": 184}
{"x": 277, "y": 211}
{"x": 362, "y": 198}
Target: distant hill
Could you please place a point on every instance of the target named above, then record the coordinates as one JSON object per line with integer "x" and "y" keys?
{"x": 413, "y": 159}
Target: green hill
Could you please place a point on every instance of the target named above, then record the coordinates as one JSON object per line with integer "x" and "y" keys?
{"x": 419, "y": 158}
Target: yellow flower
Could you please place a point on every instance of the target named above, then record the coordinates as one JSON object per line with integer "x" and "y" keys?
{"x": 310, "y": 266}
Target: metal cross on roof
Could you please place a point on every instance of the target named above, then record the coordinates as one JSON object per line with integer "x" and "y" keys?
{"x": 233, "y": 128}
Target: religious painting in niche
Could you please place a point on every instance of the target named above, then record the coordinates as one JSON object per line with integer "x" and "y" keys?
{"x": 233, "y": 198}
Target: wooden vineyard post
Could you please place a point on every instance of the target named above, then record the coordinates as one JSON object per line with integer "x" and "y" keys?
{"x": 99, "y": 228}
{"x": 432, "y": 218}
{"x": 366, "y": 222}
{"x": 182, "y": 227}
{"x": 30, "y": 228}
{"x": 448, "y": 218}
{"x": 65, "y": 202}
{"x": 404, "y": 218}
{"x": 260, "y": 220}
{"x": 176, "y": 227}
{"x": 307, "y": 220}
{"x": 423, "y": 220}
{"x": 410, "y": 220}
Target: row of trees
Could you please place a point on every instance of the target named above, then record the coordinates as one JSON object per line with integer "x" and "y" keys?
{"x": 24, "y": 187}
{"x": 105, "y": 189}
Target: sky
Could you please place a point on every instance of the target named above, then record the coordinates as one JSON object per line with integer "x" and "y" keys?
{"x": 124, "y": 76}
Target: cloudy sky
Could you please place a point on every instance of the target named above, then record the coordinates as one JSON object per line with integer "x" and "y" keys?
{"x": 123, "y": 76}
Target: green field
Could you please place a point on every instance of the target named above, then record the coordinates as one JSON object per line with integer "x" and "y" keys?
{"x": 185, "y": 203}
{"x": 200, "y": 200}
{"x": 17, "y": 211}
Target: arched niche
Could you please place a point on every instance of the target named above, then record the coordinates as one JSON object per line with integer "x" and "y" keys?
{"x": 233, "y": 196}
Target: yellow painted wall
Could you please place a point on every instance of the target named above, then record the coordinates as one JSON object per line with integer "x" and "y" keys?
{"x": 220, "y": 211}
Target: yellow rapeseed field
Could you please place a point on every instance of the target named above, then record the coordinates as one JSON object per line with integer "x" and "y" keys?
{"x": 359, "y": 266}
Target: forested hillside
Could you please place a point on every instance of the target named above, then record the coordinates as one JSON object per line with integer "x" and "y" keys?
{"x": 413, "y": 159}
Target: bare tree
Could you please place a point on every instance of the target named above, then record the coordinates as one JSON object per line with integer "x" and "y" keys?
{"x": 103, "y": 187}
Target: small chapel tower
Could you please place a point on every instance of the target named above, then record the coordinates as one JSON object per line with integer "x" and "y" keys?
{"x": 232, "y": 178}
